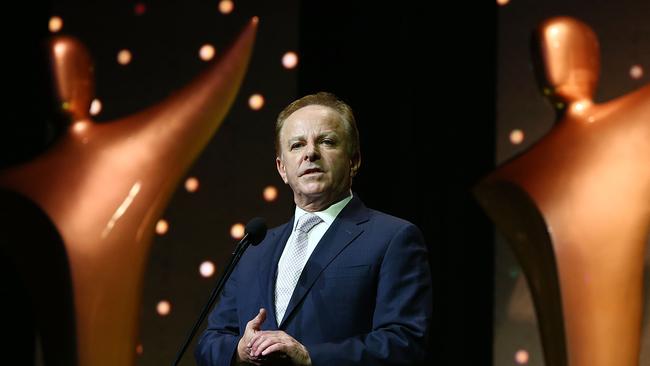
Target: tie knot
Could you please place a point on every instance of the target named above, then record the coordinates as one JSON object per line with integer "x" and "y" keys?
{"x": 307, "y": 221}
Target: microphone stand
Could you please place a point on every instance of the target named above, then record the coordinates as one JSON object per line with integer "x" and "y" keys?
{"x": 239, "y": 250}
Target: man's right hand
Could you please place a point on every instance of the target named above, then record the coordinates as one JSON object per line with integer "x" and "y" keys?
{"x": 243, "y": 347}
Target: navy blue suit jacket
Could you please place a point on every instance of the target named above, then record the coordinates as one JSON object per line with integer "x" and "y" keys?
{"x": 364, "y": 296}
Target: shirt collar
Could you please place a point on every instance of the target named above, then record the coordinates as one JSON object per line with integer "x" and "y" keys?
{"x": 327, "y": 215}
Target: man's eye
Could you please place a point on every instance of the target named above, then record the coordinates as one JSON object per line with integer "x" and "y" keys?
{"x": 295, "y": 145}
{"x": 329, "y": 142}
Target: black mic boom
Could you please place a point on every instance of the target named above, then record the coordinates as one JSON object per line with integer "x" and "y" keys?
{"x": 254, "y": 233}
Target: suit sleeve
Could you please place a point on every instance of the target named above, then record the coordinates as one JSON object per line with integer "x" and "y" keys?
{"x": 402, "y": 311}
{"x": 218, "y": 343}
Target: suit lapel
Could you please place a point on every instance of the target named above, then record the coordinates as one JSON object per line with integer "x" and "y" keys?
{"x": 345, "y": 229}
{"x": 269, "y": 267}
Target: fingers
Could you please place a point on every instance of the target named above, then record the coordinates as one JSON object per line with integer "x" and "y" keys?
{"x": 262, "y": 342}
{"x": 257, "y": 321}
{"x": 261, "y": 315}
{"x": 252, "y": 327}
{"x": 277, "y": 343}
{"x": 277, "y": 347}
{"x": 256, "y": 340}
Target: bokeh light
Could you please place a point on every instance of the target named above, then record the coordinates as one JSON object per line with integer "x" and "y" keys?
{"x": 162, "y": 227}
{"x": 636, "y": 72}
{"x": 226, "y": 6}
{"x": 163, "y": 308}
{"x": 192, "y": 184}
{"x": 516, "y": 136}
{"x": 256, "y": 102}
{"x": 521, "y": 357}
{"x": 206, "y": 269}
{"x": 139, "y": 349}
{"x": 95, "y": 107}
{"x": 139, "y": 8}
{"x": 206, "y": 53}
{"x": 59, "y": 49}
{"x": 579, "y": 107}
{"x": 80, "y": 127}
{"x": 503, "y": 2}
{"x": 237, "y": 231}
{"x": 290, "y": 60}
{"x": 270, "y": 193}
{"x": 55, "y": 24}
{"x": 124, "y": 57}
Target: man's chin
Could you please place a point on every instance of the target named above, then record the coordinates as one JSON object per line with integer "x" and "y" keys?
{"x": 313, "y": 186}
{"x": 314, "y": 192}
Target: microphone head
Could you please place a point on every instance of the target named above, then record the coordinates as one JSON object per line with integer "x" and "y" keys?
{"x": 256, "y": 230}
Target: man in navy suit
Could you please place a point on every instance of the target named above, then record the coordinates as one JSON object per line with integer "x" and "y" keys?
{"x": 339, "y": 284}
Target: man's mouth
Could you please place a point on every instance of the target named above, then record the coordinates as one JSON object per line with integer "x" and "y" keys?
{"x": 312, "y": 170}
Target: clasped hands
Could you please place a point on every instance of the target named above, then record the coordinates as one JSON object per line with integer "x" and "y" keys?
{"x": 262, "y": 347}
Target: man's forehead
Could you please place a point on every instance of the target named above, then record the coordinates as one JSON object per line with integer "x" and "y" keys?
{"x": 321, "y": 121}
{"x": 298, "y": 135}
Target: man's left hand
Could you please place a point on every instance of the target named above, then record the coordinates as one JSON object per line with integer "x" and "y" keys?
{"x": 265, "y": 343}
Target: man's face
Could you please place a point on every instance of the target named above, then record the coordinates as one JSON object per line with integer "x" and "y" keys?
{"x": 314, "y": 157}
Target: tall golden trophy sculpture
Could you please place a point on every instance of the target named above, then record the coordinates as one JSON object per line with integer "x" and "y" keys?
{"x": 104, "y": 186}
{"x": 575, "y": 207}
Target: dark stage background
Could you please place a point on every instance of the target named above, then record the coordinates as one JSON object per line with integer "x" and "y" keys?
{"x": 440, "y": 95}
{"x": 422, "y": 83}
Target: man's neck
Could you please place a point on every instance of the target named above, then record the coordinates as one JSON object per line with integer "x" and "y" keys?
{"x": 322, "y": 203}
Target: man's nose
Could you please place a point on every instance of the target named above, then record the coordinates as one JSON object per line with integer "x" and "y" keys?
{"x": 311, "y": 152}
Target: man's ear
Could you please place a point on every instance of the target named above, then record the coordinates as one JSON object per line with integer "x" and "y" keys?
{"x": 355, "y": 163}
{"x": 281, "y": 170}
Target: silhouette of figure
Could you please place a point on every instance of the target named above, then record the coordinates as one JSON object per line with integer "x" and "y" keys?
{"x": 575, "y": 207}
{"x": 99, "y": 191}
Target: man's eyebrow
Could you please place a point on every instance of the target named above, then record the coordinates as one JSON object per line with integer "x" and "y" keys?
{"x": 296, "y": 138}
{"x": 328, "y": 134}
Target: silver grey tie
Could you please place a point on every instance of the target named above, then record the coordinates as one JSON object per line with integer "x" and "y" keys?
{"x": 291, "y": 264}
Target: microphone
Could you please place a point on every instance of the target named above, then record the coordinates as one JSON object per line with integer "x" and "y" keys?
{"x": 254, "y": 233}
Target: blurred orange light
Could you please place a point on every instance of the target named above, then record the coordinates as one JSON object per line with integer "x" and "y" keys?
{"x": 290, "y": 60}
{"x": 124, "y": 57}
{"x": 503, "y": 2}
{"x": 270, "y": 193}
{"x": 162, "y": 227}
{"x": 206, "y": 53}
{"x": 206, "y": 269}
{"x": 95, "y": 107}
{"x": 80, "y": 126}
{"x": 516, "y": 136}
{"x": 192, "y": 184}
{"x": 163, "y": 308}
{"x": 256, "y": 102}
{"x": 579, "y": 107}
{"x": 139, "y": 349}
{"x": 636, "y": 72}
{"x": 226, "y": 6}
{"x": 521, "y": 357}
{"x": 59, "y": 49}
{"x": 55, "y": 24}
{"x": 237, "y": 231}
